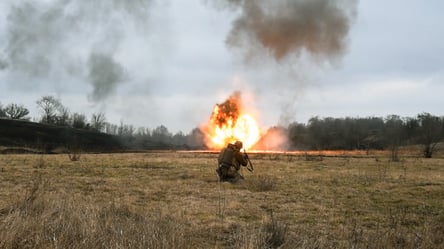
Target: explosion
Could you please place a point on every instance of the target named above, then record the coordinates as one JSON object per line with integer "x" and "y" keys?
{"x": 229, "y": 122}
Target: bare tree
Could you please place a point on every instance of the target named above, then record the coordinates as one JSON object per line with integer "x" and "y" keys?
{"x": 394, "y": 134}
{"x": 430, "y": 132}
{"x": 98, "y": 121}
{"x": 143, "y": 132}
{"x": 62, "y": 117}
{"x": 161, "y": 134}
{"x": 125, "y": 130}
{"x": 2, "y": 112}
{"x": 14, "y": 111}
{"x": 78, "y": 121}
{"x": 49, "y": 106}
{"x": 111, "y": 129}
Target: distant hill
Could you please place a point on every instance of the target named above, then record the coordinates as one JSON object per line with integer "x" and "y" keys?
{"x": 36, "y": 137}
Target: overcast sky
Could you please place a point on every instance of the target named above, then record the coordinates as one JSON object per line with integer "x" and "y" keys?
{"x": 154, "y": 62}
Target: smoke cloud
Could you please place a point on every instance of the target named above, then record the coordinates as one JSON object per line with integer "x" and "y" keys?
{"x": 3, "y": 64}
{"x": 291, "y": 27}
{"x": 291, "y": 42}
{"x": 32, "y": 38}
{"x": 62, "y": 37}
{"x": 104, "y": 74}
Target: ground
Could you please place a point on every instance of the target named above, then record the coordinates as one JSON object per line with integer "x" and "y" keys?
{"x": 172, "y": 199}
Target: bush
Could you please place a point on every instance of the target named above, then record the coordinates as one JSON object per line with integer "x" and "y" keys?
{"x": 270, "y": 234}
{"x": 262, "y": 183}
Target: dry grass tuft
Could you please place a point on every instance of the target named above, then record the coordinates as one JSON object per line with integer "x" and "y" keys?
{"x": 44, "y": 219}
{"x": 270, "y": 234}
{"x": 261, "y": 183}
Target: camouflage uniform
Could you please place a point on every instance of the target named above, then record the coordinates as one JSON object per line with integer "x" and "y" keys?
{"x": 229, "y": 161}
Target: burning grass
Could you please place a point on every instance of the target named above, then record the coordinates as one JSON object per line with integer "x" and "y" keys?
{"x": 173, "y": 200}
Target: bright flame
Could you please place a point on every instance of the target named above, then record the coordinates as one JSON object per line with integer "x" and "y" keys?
{"x": 245, "y": 130}
{"x": 228, "y": 124}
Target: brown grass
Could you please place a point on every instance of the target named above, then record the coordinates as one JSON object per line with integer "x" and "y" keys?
{"x": 173, "y": 200}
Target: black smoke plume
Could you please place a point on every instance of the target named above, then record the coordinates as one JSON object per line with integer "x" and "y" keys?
{"x": 290, "y": 27}
{"x": 104, "y": 74}
{"x": 228, "y": 110}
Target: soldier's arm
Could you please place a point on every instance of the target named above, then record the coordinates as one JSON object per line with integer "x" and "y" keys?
{"x": 241, "y": 159}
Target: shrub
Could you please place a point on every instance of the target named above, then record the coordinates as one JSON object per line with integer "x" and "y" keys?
{"x": 262, "y": 183}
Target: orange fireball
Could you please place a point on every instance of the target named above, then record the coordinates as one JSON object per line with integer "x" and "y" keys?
{"x": 229, "y": 123}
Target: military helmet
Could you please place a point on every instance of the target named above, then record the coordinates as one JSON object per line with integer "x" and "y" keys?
{"x": 238, "y": 144}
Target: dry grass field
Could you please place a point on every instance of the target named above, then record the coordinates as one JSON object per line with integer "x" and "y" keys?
{"x": 173, "y": 200}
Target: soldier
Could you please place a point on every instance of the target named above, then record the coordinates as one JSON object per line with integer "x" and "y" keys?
{"x": 229, "y": 161}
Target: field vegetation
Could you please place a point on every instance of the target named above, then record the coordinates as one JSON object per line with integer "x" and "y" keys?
{"x": 174, "y": 200}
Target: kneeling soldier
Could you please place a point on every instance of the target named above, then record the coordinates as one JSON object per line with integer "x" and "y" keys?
{"x": 230, "y": 160}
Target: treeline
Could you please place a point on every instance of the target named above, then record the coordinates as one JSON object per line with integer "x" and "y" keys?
{"x": 328, "y": 133}
{"x": 53, "y": 112}
{"x": 377, "y": 133}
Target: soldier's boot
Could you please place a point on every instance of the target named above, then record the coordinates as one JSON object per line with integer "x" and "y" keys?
{"x": 219, "y": 173}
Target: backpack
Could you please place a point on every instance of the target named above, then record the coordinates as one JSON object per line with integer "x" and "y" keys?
{"x": 226, "y": 157}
